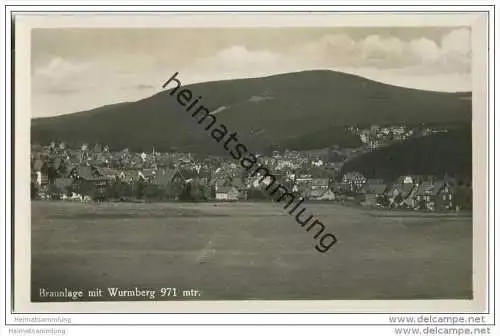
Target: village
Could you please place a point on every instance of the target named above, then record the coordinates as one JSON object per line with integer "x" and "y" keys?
{"x": 96, "y": 173}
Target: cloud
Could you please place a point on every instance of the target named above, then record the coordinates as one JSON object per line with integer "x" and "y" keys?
{"x": 440, "y": 64}
{"x": 64, "y": 84}
{"x": 59, "y": 67}
{"x": 451, "y": 55}
{"x": 457, "y": 41}
{"x": 62, "y": 76}
{"x": 387, "y": 58}
{"x": 456, "y": 51}
{"x": 239, "y": 57}
{"x": 423, "y": 50}
{"x": 380, "y": 51}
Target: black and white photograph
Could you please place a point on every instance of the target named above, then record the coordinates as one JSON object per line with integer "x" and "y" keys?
{"x": 251, "y": 163}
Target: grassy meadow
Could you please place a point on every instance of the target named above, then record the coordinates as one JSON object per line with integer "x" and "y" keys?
{"x": 239, "y": 251}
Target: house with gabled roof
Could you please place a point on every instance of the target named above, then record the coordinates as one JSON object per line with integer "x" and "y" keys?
{"x": 313, "y": 188}
{"x": 128, "y": 175}
{"x": 205, "y": 175}
{"x": 427, "y": 193}
{"x": 223, "y": 182}
{"x": 109, "y": 173}
{"x": 146, "y": 174}
{"x": 86, "y": 176}
{"x": 39, "y": 168}
{"x": 170, "y": 181}
{"x": 401, "y": 195}
{"x": 238, "y": 183}
{"x": 424, "y": 189}
{"x": 375, "y": 193}
{"x": 442, "y": 194}
{"x": 166, "y": 176}
{"x": 227, "y": 194}
{"x": 353, "y": 181}
{"x": 320, "y": 183}
{"x": 321, "y": 195}
{"x": 63, "y": 185}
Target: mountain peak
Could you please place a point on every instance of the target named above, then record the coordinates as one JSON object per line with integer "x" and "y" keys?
{"x": 301, "y": 109}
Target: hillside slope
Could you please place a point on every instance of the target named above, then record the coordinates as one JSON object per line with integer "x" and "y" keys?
{"x": 300, "y": 110}
{"x": 449, "y": 153}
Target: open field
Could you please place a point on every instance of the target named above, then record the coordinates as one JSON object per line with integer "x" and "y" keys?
{"x": 249, "y": 251}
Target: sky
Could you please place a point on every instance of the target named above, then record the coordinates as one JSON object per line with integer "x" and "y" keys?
{"x": 82, "y": 68}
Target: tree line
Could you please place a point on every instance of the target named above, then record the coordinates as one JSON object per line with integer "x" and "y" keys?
{"x": 118, "y": 190}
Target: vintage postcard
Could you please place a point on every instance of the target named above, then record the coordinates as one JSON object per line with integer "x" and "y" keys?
{"x": 229, "y": 162}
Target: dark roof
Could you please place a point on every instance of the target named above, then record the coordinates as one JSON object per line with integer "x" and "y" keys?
{"x": 63, "y": 182}
{"x": 92, "y": 162}
{"x": 57, "y": 163}
{"x": 188, "y": 173}
{"x": 238, "y": 183}
{"x": 425, "y": 188}
{"x": 204, "y": 172}
{"x": 104, "y": 171}
{"x": 129, "y": 173}
{"x": 404, "y": 189}
{"x": 376, "y": 188}
{"x": 221, "y": 180}
{"x": 148, "y": 172}
{"x": 164, "y": 176}
{"x": 70, "y": 169}
{"x": 85, "y": 172}
{"x": 438, "y": 185}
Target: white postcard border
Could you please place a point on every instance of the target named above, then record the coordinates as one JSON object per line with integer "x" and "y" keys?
{"x": 22, "y": 237}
